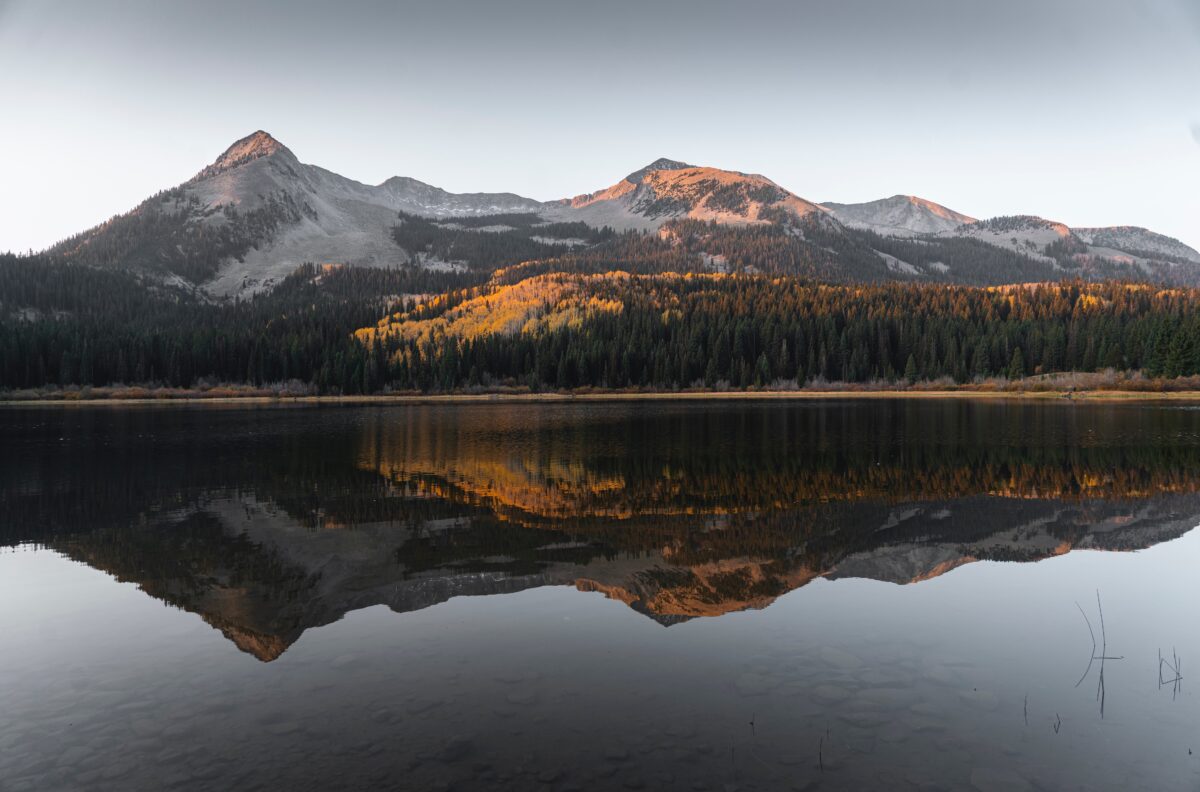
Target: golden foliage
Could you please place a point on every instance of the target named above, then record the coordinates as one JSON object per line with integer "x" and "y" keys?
{"x": 536, "y": 305}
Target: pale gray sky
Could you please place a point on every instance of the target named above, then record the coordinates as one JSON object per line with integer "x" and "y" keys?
{"x": 1084, "y": 111}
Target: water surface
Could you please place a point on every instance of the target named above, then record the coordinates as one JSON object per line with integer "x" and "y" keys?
{"x": 840, "y": 595}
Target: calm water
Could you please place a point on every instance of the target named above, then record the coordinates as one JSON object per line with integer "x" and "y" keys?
{"x": 835, "y": 595}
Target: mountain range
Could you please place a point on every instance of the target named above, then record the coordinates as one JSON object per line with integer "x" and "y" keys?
{"x": 254, "y": 215}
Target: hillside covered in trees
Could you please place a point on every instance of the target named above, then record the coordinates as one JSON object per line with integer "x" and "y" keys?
{"x": 577, "y": 320}
{"x": 624, "y": 330}
{"x": 70, "y": 324}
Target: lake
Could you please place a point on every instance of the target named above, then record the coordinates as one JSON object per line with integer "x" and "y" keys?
{"x": 839, "y": 594}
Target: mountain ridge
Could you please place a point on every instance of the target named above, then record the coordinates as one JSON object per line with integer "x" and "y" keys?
{"x": 903, "y": 214}
{"x": 256, "y": 213}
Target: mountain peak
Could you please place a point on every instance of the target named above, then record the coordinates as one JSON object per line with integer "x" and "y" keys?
{"x": 667, "y": 189}
{"x": 660, "y": 164}
{"x": 912, "y": 199}
{"x": 253, "y": 146}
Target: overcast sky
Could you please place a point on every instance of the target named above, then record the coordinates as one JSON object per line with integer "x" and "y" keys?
{"x": 1083, "y": 111}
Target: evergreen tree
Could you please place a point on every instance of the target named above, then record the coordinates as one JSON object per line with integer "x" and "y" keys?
{"x": 1016, "y": 366}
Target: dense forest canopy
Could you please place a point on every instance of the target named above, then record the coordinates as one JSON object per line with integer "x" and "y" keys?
{"x": 69, "y": 324}
{"x": 578, "y": 319}
{"x": 670, "y": 331}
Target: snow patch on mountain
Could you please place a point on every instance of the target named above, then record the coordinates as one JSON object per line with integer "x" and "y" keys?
{"x": 570, "y": 242}
{"x": 896, "y": 265}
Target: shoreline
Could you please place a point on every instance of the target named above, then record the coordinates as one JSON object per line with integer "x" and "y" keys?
{"x": 616, "y": 396}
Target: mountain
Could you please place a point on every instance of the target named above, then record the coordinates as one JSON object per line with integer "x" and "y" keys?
{"x": 256, "y": 213}
{"x": 1138, "y": 241}
{"x": 1128, "y": 251}
{"x": 1024, "y": 234}
{"x": 1095, "y": 253}
{"x": 900, "y": 215}
{"x": 667, "y": 189}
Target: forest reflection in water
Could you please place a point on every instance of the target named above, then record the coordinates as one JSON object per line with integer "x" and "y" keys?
{"x": 765, "y": 538}
{"x": 679, "y": 511}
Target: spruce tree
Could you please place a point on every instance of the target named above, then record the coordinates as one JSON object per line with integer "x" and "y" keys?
{"x": 1016, "y": 367}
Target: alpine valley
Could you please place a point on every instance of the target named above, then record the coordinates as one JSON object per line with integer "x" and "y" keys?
{"x": 263, "y": 269}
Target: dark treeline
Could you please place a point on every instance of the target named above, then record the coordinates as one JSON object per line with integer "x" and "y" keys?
{"x": 677, "y": 331}
{"x": 68, "y": 324}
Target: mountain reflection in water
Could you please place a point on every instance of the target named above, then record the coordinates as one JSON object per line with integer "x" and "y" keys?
{"x": 267, "y": 523}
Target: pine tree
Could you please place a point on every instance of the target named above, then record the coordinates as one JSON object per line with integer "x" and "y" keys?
{"x": 1016, "y": 367}
{"x": 980, "y": 364}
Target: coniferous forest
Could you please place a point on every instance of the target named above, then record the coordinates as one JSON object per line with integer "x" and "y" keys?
{"x": 577, "y": 321}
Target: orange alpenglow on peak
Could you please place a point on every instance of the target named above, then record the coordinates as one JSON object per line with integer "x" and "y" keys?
{"x": 253, "y": 146}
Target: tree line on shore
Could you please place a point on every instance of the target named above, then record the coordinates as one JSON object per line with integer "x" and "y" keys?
{"x": 64, "y": 324}
{"x": 680, "y": 331}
